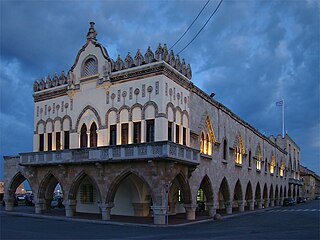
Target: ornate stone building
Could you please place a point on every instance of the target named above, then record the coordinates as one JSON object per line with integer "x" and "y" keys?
{"x": 136, "y": 136}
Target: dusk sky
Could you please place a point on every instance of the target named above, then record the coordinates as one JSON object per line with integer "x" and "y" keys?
{"x": 251, "y": 54}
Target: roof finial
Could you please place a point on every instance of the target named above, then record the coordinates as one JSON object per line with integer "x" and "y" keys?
{"x": 91, "y": 35}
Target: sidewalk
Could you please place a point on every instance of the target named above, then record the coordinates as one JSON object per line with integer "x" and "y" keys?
{"x": 174, "y": 221}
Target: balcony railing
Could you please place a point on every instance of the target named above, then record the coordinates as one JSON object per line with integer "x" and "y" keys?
{"x": 295, "y": 181}
{"x": 131, "y": 152}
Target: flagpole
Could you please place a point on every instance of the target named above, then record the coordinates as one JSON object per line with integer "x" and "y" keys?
{"x": 283, "y": 118}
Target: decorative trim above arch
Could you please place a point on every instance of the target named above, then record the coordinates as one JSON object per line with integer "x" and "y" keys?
{"x": 95, "y": 112}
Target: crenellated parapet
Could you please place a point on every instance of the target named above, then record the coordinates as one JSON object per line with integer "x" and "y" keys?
{"x": 48, "y": 82}
{"x": 161, "y": 54}
{"x": 93, "y": 69}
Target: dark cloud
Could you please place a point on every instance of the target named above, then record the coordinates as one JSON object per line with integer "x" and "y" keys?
{"x": 251, "y": 54}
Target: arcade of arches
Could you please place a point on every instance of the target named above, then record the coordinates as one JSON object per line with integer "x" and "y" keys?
{"x": 109, "y": 190}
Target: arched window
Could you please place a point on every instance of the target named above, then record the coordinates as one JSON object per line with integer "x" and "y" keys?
{"x": 93, "y": 135}
{"x": 282, "y": 168}
{"x": 202, "y": 143}
{"x": 272, "y": 164}
{"x": 83, "y": 136}
{"x": 250, "y": 158}
{"x": 258, "y": 158}
{"x": 266, "y": 165}
{"x": 90, "y": 67}
{"x": 238, "y": 155}
{"x": 209, "y": 150}
{"x": 224, "y": 149}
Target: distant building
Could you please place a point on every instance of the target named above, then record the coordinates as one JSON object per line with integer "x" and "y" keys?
{"x": 311, "y": 183}
{"x": 135, "y": 137}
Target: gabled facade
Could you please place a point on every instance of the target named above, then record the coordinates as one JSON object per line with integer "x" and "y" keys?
{"x": 122, "y": 135}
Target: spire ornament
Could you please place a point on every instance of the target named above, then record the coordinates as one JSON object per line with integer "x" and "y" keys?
{"x": 92, "y": 34}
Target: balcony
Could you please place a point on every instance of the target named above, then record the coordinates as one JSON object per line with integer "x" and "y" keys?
{"x": 111, "y": 154}
{"x": 295, "y": 181}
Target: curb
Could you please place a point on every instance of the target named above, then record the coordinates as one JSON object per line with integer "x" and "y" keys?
{"x": 74, "y": 219}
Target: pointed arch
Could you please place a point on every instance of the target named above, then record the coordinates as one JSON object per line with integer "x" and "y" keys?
{"x": 146, "y": 105}
{"x": 41, "y": 121}
{"x": 93, "y": 135}
{"x": 181, "y": 181}
{"x": 77, "y": 182}
{"x": 47, "y": 186}
{"x": 225, "y": 190}
{"x": 271, "y": 194}
{"x": 237, "y": 194}
{"x": 258, "y": 192}
{"x": 113, "y": 109}
{"x": 83, "y": 136}
{"x": 66, "y": 117}
{"x": 96, "y": 114}
{"x": 249, "y": 193}
{"x": 265, "y": 192}
{"x": 118, "y": 181}
{"x": 206, "y": 186}
{"x": 170, "y": 105}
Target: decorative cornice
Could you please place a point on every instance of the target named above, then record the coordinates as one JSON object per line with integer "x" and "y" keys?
{"x": 52, "y": 93}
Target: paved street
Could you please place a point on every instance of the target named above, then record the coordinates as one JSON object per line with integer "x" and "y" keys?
{"x": 298, "y": 222}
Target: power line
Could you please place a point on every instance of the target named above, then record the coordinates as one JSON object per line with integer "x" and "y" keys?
{"x": 202, "y": 27}
{"x": 190, "y": 25}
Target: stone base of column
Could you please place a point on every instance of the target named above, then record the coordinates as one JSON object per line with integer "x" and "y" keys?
{"x": 241, "y": 206}
{"x": 70, "y": 207}
{"x": 228, "y": 207}
{"x": 39, "y": 206}
{"x": 212, "y": 209}
{"x": 159, "y": 214}
{"x": 106, "y": 210}
{"x": 190, "y": 211}
{"x": 271, "y": 203}
{"x": 9, "y": 206}
{"x": 266, "y": 203}
{"x": 251, "y": 205}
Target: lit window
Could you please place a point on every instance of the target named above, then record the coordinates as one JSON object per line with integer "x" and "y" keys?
{"x": 202, "y": 143}
{"x": 238, "y": 155}
{"x": 208, "y": 146}
{"x": 179, "y": 196}
{"x": 200, "y": 196}
{"x": 282, "y": 169}
{"x": 273, "y": 164}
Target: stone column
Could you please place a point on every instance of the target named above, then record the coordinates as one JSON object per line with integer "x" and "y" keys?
{"x": 272, "y": 202}
{"x": 251, "y": 205}
{"x": 190, "y": 211}
{"x": 241, "y": 205}
{"x": 259, "y": 201}
{"x": 88, "y": 138}
{"x": 141, "y": 209}
{"x": 281, "y": 201}
{"x": 106, "y": 210}
{"x": 9, "y": 205}
{"x": 266, "y": 203}
{"x": 70, "y": 207}
{"x": 228, "y": 206}
{"x": 39, "y": 205}
{"x": 212, "y": 208}
{"x": 159, "y": 214}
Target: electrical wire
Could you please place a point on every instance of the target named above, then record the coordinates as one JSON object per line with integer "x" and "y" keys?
{"x": 190, "y": 25}
{"x": 202, "y": 27}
